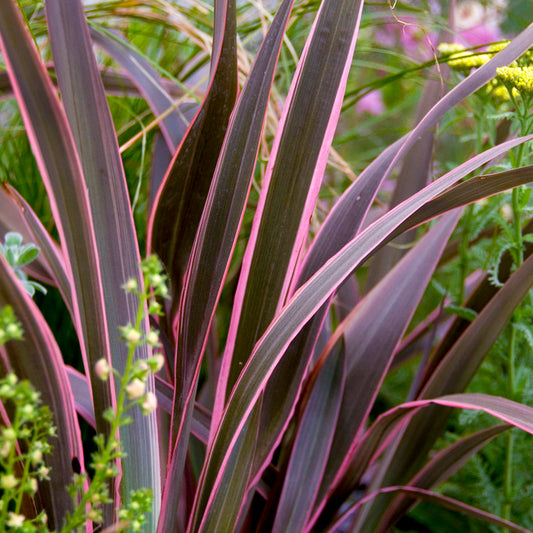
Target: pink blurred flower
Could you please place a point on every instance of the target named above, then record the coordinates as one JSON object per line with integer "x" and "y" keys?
{"x": 371, "y": 103}
{"x": 477, "y": 24}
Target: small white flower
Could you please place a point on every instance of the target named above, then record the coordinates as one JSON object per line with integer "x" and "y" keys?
{"x": 149, "y": 403}
{"x": 157, "y": 362}
{"x": 8, "y": 481}
{"x": 15, "y": 520}
{"x": 5, "y": 449}
{"x": 102, "y": 369}
{"x": 130, "y": 285}
{"x": 36, "y": 457}
{"x": 43, "y": 472}
{"x": 133, "y": 335}
{"x": 9, "y": 434}
{"x": 136, "y": 389}
{"x": 152, "y": 338}
{"x": 506, "y": 211}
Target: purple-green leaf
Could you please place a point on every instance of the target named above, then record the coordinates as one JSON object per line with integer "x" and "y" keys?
{"x": 37, "y": 358}
{"x": 116, "y": 245}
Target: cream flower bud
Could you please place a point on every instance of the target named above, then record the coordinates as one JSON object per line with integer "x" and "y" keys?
{"x": 8, "y": 481}
{"x": 158, "y": 362}
{"x": 136, "y": 389}
{"x": 130, "y": 285}
{"x": 102, "y": 369}
{"x": 149, "y": 403}
{"x": 152, "y": 338}
{"x": 133, "y": 335}
{"x": 506, "y": 211}
{"x": 15, "y": 520}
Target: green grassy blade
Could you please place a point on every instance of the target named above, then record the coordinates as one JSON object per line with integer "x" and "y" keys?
{"x": 116, "y": 242}
{"x": 37, "y": 358}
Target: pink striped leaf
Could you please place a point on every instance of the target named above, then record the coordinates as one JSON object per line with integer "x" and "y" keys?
{"x": 181, "y": 198}
{"x": 389, "y": 424}
{"x": 453, "y": 374}
{"x": 219, "y": 228}
{"x": 86, "y": 107}
{"x": 58, "y": 162}
{"x": 341, "y": 225}
{"x": 37, "y": 358}
{"x": 437, "y": 499}
{"x": 314, "y": 435}
{"x": 442, "y": 466}
{"x": 292, "y": 182}
{"x": 373, "y": 329}
{"x": 306, "y": 301}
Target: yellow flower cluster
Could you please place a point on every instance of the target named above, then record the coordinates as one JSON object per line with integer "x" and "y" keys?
{"x": 519, "y": 78}
{"x": 461, "y": 59}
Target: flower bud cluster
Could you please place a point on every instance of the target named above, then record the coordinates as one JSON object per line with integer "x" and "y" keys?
{"x": 30, "y": 431}
{"x": 517, "y": 78}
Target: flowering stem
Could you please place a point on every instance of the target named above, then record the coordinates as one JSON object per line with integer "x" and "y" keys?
{"x": 107, "y": 454}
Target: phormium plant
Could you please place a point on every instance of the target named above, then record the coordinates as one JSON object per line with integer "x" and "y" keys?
{"x": 263, "y": 425}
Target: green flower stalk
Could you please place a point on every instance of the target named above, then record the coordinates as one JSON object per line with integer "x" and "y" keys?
{"x": 89, "y": 503}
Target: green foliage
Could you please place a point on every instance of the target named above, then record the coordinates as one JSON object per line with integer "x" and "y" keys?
{"x": 18, "y": 256}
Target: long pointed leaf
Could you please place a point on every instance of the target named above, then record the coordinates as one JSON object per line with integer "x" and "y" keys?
{"x": 38, "y": 359}
{"x": 292, "y": 181}
{"x": 180, "y": 200}
{"x": 219, "y": 227}
{"x": 443, "y": 465}
{"x": 312, "y": 443}
{"x": 116, "y": 242}
{"x": 305, "y": 302}
{"x": 392, "y": 302}
{"x": 437, "y": 499}
{"x": 56, "y": 155}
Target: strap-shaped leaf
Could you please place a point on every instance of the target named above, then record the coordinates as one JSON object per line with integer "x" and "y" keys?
{"x": 341, "y": 225}
{"x": 292, "y": 180}
{"x": 55, "y": 151}
{"x": 303, "y": 305}
{"x": 452, "y": 375}
{"x": 440, "y": 467}
{"x": 376, "y": 326}
{"x": 116, "y": 241}
{"x": 180, "y": 200}
{"x": 437, "y": 499}
{"x": 312, "y": 444}
{"x": 37, "y": 358}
